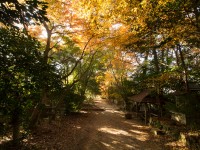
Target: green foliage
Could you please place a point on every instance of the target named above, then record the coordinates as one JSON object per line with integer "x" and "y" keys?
{"x": 121, "y": 91}
{"x": 187, "y": 104}
{"x": 19, "y": 65}
{"x": 73, "y": 102}
{"x": 113, "y": 93}
{"x": 19, "y": 58}
{"x": 23, "y": 74}
{"x": 93, "y": 87}
{"x": 78, "y": 68}
{"x": 13, "y": 12}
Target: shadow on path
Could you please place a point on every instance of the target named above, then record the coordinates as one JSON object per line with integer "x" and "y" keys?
{"x": 109, "y": 130}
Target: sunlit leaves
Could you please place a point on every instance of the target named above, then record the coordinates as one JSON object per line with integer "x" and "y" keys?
{"x": 15, "y": 12}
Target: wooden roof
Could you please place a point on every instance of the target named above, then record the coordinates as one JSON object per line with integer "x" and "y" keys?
{"x": 140, "y": 97}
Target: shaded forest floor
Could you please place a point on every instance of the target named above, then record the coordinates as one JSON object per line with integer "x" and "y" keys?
{"x": 100, "y": 126}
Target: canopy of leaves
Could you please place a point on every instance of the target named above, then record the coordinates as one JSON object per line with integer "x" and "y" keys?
{"x": 13, "y": 12}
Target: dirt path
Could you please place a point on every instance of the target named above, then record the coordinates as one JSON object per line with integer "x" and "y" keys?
{"x": 99, "y": 127}
{"x": 109, "y": 130}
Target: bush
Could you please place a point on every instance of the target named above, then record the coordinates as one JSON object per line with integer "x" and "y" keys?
{"x": 73, "y": 102}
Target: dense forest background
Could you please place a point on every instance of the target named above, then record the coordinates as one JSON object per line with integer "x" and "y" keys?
{"x": 60, "y": 53}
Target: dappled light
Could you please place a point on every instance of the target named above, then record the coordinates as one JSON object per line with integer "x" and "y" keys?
{"x": 113, "y": 111}
{"x": 114, "y": 131}
{"x": 142, "y": 136}
{"x": 137, "y": 132}
{"x": 99, "y": 74}
{"x": 180, "y": 145}
{"x": 5, "y": 138}
{"x": 137, "y": 126}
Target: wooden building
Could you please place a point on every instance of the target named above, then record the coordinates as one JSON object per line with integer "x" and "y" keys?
{"x": 144, "y": 103}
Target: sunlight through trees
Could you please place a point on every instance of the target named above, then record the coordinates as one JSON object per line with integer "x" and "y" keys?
{"x": 56, "y": 54}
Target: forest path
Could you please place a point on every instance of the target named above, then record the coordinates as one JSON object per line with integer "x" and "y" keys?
{"x": 107, "y": 129}
{"x": 100, "y": 126}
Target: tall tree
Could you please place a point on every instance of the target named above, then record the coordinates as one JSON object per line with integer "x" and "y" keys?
{"x": 20, "y": 82}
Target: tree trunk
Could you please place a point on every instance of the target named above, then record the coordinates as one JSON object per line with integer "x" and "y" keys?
{"x": 38, "y": 109}
{"x": 177, "y": 57}
{"x": 167, "y": 59}
{"x": 184, "y": 67}
{"x": 16, "y": 126}
{"x": 156, "y": 62}
{"x": 144, "y": 68}
{"x": 44, "y": 100}
{"x": 163, "y": 60}
{"x": 34, "y": 117}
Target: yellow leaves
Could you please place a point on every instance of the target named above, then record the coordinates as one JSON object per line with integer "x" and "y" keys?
{"x": 58, "y": 10}
{"x": 108, "y": 78}
{"x": 144, "y": 3}
{"x": 164, "y": 2}
{"x": 36, "y": 31}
